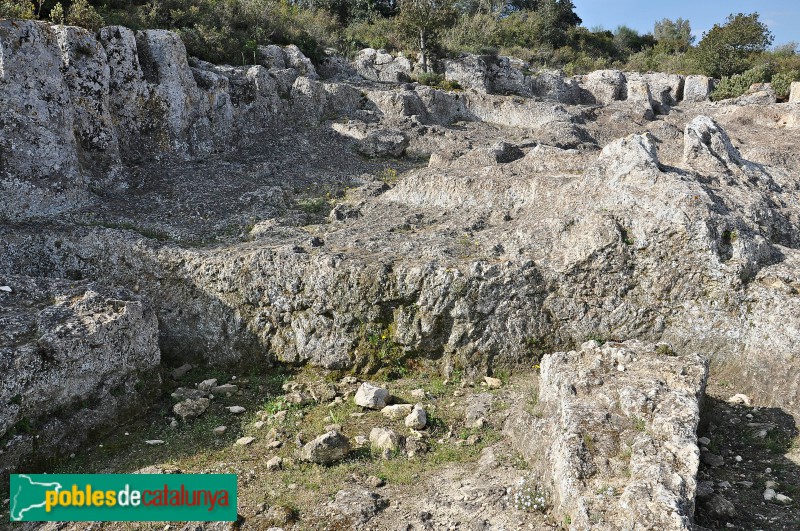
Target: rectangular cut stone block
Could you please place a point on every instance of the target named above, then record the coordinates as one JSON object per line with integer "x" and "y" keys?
{"x": 614, "y": 437}
{"x": 794, "y": 93}
{"x": 697, "y": 88}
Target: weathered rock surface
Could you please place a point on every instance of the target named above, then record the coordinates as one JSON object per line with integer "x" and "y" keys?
{"x": 326, "y": 449}
{"x": 359, "y": 505}
{"x": 371, "y": 396}
{"x": 697, "y": 88}
{"x": 379, "y": 65}
{"x": 535, "y": 225}
{"x": 619, "y": 427}
{"x": 76, "y": 358}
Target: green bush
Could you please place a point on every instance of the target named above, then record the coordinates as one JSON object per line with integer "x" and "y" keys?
{"x": 782, "y": 83}
{"x": 57, "y": 14}
{"x": 730, "y": 48}
{"x": 736, "y": 85}
{"x": 81, "y": 14}
{"x": 16, "y": 9}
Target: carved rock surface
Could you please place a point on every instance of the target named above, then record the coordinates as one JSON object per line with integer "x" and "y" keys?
{"x": 618, "y": 426}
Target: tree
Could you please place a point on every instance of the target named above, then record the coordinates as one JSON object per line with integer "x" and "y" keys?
{"x": 424, "y": 20}
{"x": 673, "y": 35}
{"x": 82, "y": 14}
{"x": 628, "y": 41}
{"x": 728, "y": 49}
{"x": 17, "y": 9}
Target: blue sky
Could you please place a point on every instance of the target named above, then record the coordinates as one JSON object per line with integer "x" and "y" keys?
{"x": 782, "y": 16}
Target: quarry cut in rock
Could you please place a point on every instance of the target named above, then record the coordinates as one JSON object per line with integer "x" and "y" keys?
{"x": 78, "y": 358}
{"x": 614, "y": 437}
{"x": 484, "y": 228}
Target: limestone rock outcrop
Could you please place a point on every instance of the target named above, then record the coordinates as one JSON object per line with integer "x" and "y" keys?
{"x": 616, "y": 428}
{"x": 76, "y": 358}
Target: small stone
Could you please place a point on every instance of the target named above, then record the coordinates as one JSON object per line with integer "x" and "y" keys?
{"x": 782, "y": 498}
{"x": 220, "y": 430}
{"x": 397, "y": 411}
{"x": 771, "y": 484}
{"x": 417, "y": 419}
{"x": 768, "y": 470}
{"x": 173, "y": 424}
{"x": 259, "y": 424}
{"x": 712, "y": 460}
{"x": 276, "y": 463}
{"x": 473, "y": 439}
{"x": 418, "y": 394}
{"x": 360, "y": 440}
{"x": 371, "y": 396}
{"x": 769, "y": 494}
{"x": 762, "y": 434}
{"x": 189, "y": 409}
{"x": 745, "y": 484}
{"x": 244, "y": 441}
{"x": 704, "y": 441}
{"x": 326, "y": 449}
{"x": 704, "y": 489}
{"x": 385, "y": 440}
{"x": 275, "y": 444}
{"x": 739, "y": 399}
{"x": 225, "y": 389}
{"x": 154, "y": 442}
{"x": 480, "y": 423}
{"x": 207, "y": 385}
{"x": 236, "y": 410}
{"x": 738, "y": 458}
{"x": 6, "y": 289}
{"x": 375, "y": 482}
{"x": 719, "y": 507}
{"x": 181, "y": 371}
{"x": 493, "y": 383}
{"x": 621, "y": 368}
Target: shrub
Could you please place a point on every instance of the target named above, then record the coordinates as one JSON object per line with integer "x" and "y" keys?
{"x": 729, "y": 49}
{"x": 57, "y": 14}
{"x": 16, "y": 9}
{"x": 82, "y": 14}
{"x": 782, "y": 83}
{"x": 736, "y": 85}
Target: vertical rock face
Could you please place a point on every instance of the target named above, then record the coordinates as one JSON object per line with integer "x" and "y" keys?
{"x": 38, "y": 150}
{"x": 616, "y": 426}
{"x": 605, "y": 86}
{"x": 379, "y": 65}
{"x": 794, "y": 92}
{"x": 697, "y": 88}
{"x": 74, "y": 359}
{"x": 87, "y": 76}
{"x": 162, "y": 58}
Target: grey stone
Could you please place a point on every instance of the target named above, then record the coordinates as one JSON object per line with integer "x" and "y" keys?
{"x": 359, "y": 505}
{"x": 385, "y": 440}
{"x": 417, "y": 419}
{"x": 712, "y": 460}
{"x": 224, "y": 389}
{"x": 720, "y": 508}
{"x": 371, "y": 396}
{"x": 191, "y": 408}
{"x": 181, "y": 371}
{"x": 326, "y": 449}
{"x": 663, "y": 457}
{"x": 697, "y": 88}
{"x": 384, "y": 143}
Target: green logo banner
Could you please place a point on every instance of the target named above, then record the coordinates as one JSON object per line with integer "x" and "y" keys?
{"x": 123, "y": 497}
